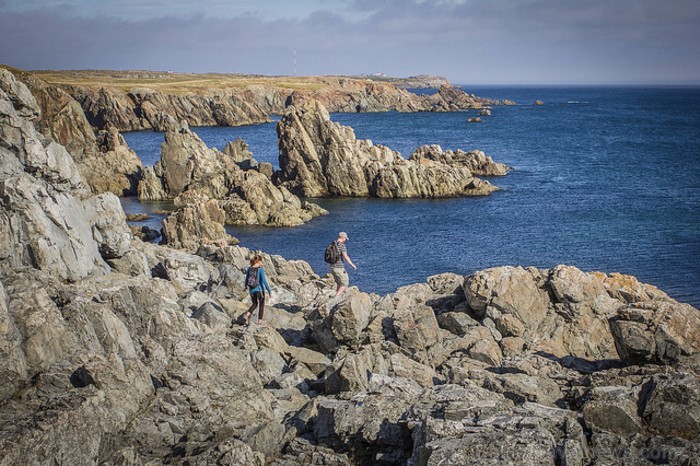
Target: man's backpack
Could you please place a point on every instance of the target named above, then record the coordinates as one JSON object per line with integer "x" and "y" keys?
{"x": 332, "y": 254}
{"x": 253, "y": 277}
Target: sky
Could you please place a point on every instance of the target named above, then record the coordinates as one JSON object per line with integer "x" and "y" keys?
{"x": 466, "y": 41}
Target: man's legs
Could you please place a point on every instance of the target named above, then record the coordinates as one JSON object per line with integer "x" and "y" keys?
{"x": 341, "y": 279}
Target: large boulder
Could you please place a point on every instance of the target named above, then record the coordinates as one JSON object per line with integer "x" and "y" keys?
{"x": 660, "y": 332}
{"x": 319, "y": 157}
{"x": 562, "y": 311}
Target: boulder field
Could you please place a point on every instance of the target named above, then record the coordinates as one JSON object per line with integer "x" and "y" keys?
{"x": 118, "y": 352}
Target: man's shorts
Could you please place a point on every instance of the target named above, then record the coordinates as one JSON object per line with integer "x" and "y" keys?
{"x": 341, "y": 277}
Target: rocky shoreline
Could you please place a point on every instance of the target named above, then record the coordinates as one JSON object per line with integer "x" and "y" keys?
{"x": 118, "y": 352}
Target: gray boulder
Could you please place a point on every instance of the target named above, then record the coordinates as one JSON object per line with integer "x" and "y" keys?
{"x": 660, "y": 332}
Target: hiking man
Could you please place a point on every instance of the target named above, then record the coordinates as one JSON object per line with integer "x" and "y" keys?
{"x": 338, "y": 268}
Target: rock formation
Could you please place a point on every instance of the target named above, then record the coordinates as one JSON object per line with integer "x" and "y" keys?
{"x": 319, "y": 157}
{"x": 211, "y": 189}
{"x": 115, "y": 351}
{"x": 476, "y": 161}
{"x": 106, "y": 163}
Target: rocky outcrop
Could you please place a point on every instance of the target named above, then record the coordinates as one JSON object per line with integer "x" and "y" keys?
{"x": 476, "y": 161}
{"x": 451, "y": 99}
{"x": 211, "y": 183}
{"x": 113, "y": 167}
{"x": 105, "y": 162}
{"x": 49, "y": 222}
{"x": 319, "y": 157}
{"x": 137, "y": 355}
{"x": 197, "y": 219}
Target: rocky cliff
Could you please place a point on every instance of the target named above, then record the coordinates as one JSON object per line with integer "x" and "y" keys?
{"x": 115, "y": 351}
{"x": 105, "y": 161}
{"x": 134, "y": 100}
{"x": 319, "y": 157}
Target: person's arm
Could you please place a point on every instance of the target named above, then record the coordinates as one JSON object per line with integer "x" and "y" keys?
{"x": 346, "y": 258}
{"x": 263, "y": 280}
{"x": 245, "y": 283}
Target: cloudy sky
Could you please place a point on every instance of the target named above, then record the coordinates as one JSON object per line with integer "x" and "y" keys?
{"x": 467, "y": 41}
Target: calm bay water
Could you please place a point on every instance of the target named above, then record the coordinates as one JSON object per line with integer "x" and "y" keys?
{"x": 605, "y": 179}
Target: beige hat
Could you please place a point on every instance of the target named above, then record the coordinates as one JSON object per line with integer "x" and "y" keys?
{"x": 342, "y": 234}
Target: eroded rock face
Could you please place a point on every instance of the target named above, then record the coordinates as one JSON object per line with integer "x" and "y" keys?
{"x": 319, "y": 157}
{"x": 45, "y": 223}
{"x": 250, "y": 104}
{"x": 562, "y": 311}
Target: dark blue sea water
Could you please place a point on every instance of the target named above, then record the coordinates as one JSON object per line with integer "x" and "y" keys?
{"x": 605, "y": 178}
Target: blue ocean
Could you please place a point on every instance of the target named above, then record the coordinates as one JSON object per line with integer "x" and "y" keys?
{"x": 605, "y": 178}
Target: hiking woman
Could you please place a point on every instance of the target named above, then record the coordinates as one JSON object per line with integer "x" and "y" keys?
{"x": 256, "y": 284}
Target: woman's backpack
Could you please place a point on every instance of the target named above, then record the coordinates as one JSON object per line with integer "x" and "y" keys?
{"x": 253, "y": 280}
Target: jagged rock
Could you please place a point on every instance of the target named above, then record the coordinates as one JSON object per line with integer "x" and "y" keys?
{"x": 186, "y": 271}
{"x": 247, "y": 197}
{"x": 671, "y": 405}
{"x": 346, "y": 322}
{"x": 106, "y": 163}
{"x": 150, "y": 187}
{"x": 476, "y": 161}
{"x": 456, "y": 322}
{"x": 148, "y": 109}
{"x": 13, "y": 365}
{"x": 137, "y": 357}
{"x": 213, "y": 316}
{"x": 416, "y": 328}
{"x": 354, "y": 371}
{"x": 561, "y": 311}
{"x": 319, "y": 157}
{"x": 113, "y": 167}
{"x": 613, "y": 409}
{"x": 658, "y": 332}
{"x": 197, "y": 220}
{"x": 241, "y": 155}
{"x": 451, "y": 98}
{"x": 51, "y": 228}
